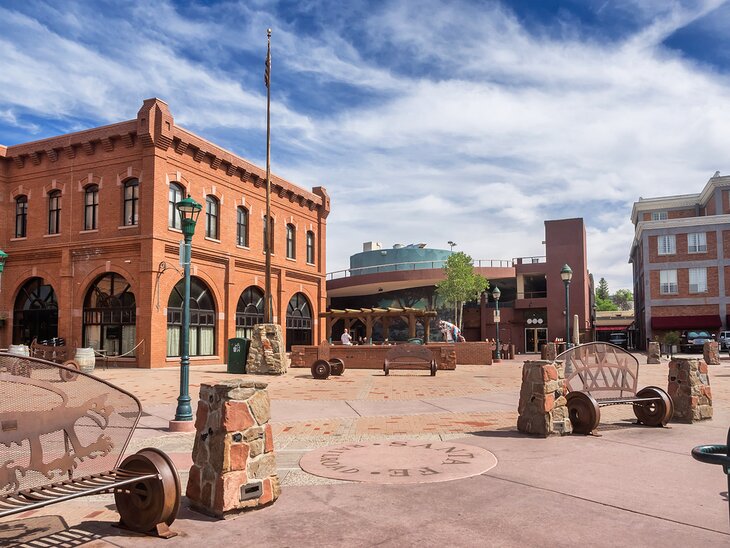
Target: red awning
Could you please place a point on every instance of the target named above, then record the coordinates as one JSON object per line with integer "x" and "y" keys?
{"x": 616, "y": 328}
{"x": 686, "y": 322}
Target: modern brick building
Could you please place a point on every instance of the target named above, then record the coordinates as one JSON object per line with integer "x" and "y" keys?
{"x": 681, "y": 261}
{"x": 532, "y": 301}
{"x": 92, "y": 236}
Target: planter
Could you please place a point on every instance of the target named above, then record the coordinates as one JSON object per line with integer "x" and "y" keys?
{"x": 86, "y": 359}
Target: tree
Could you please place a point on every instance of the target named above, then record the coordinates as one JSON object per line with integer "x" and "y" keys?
{"x": 602, "y": 289}
{"x": 605, "y": 305}
{"x": 461, "y": 283}
{"x": 624, "y": 299}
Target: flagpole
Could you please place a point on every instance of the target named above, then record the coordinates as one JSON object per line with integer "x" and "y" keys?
{"x": 268, "y": 318}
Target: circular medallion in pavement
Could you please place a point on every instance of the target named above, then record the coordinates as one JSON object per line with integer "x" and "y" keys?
{"x": 411, "y": 461}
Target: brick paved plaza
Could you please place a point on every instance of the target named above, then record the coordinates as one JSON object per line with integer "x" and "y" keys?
{"x": 626, "y": 486}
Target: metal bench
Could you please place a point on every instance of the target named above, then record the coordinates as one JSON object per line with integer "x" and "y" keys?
{"x": 324, "y": 366}
{"x": 63, "y": 434}
{"x": 409, "y": 356}
{"x": 598, "y": 374}
{"x": 51, "y": 353}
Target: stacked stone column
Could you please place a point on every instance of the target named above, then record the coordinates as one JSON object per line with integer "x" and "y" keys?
{"x": 711, "y": 353}
{"x": 542, "y": 409}
{"x": 234, "y": 467}
{"x": 689, "y": 388}
{"x": 654, "y": 354}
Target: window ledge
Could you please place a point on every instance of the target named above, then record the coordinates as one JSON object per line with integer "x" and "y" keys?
{"x": 90, "y": 231}
{"x": 216, "y": 240}
{"x": 291, "y": 259}
{"x": 125, "y": 227}
{"x": 56, "y": 235}
{"x": 173, "y": 229}
{"x": 19, "y": 239}
{"x": 243, "y": 247}
{"x": 311, "y": 264}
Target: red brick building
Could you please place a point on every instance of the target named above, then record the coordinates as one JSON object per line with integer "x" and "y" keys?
{"x": 680, "y": 261}
{"x": 92, "y": 237}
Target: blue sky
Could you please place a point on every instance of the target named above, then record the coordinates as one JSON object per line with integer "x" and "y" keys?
{"x": 427, "y": 121}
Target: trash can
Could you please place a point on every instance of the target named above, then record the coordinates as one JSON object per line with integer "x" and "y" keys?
{"x": 237, "y": 355}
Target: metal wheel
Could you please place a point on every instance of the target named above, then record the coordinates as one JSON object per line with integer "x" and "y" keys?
{"x": 145, "y": 504}
{"x": 338, "y": 366}
{"x": 433, "y": 368}
{"x": 321, "y": 369}
{"x": 654, "y": 413}
{"x": 584, "y": 412}
{"x": 65, "y": 374}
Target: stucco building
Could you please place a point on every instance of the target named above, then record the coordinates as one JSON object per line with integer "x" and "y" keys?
{"x": 681, "y": 261}
{"x": 92, "y": 236}
{"x": 532, "y": 301}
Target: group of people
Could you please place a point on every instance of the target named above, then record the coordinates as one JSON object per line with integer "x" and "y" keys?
{"x": 449, "y": 331}
{"x": 347, "y": 339}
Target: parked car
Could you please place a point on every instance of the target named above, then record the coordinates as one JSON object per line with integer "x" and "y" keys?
{"x": 724, "y": 340}
{"x": 694, "y": 341}
{"x": 619, "y": 339}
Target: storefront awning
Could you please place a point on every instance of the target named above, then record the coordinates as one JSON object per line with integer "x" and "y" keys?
{"x": 616, "y": 328}
{"x": 686, "y": 322}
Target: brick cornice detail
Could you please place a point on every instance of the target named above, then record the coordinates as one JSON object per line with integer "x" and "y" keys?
{"x": 231, "y": 170}
{"x": 199, "y": 155}
{"x": 107, "y": 144}
{"x": 52, "y": 154}
{"x": 88, "y": 147}
{"x": 35, "y": 157}
{"x": 19, "y": 161}
{"x": 70, "y": 152}
{"x": 181, "y": 147}
{"x": 127, "y": 139}
{"x": 215, "y": 162}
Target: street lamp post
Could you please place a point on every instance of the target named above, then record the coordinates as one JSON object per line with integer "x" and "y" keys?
{"x": 566, "y": 273}
{"x": 452, "y": 244}
{"x": 189, "y": 210}
{"x": 496, "y": 294}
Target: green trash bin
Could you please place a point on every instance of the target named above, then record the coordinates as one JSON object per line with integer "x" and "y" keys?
{"x": 237, "y": 355}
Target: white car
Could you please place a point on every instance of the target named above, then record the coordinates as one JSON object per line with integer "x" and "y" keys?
{"x": 724, "y": 340}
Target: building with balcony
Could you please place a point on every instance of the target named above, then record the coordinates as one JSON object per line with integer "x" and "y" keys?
{"x": 531, "y": 305}
{"x": 92, "y": 235}
{"x": 680, "y": 259}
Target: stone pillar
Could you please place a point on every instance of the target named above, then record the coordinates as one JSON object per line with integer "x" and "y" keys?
{"x": 267, "y": 355}
{"x": 234, "y": 467}
{"x": 711, "y": 351}
{"x": 689, "y": 388}
{"x": 654, "y": 354}
{"x": 549, "y": 351}
{"x": 542, "y": 409}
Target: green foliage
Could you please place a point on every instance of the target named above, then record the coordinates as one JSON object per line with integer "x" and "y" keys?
{"x": 461, "y": 283}
{"x": 602, "y": 289}
{"x": 624, "y": 299}
{"x": 671, "y": 338}
{"x": 605, "y": 305}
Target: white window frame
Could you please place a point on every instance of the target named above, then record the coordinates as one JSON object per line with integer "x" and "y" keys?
{"x": 666, "y": 244}
{"x": 697, "y": 280}
{"x": 659, "y": 215}
{"x": 668, "y": 282}
{"x": 697, "y": 242}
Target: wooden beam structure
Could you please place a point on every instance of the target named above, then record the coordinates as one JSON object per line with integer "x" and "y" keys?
{"x": 371, "y": 316}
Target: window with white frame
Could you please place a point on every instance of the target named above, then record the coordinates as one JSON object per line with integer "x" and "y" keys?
{"x": 698, "y": 280}
{"x": 659, "y": 216}
{"x": 668, "y": 282}
{"x": 667, "y": 245}
{"x": 697, "y": 242}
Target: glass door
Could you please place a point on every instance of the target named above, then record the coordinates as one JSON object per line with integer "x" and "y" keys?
{"x": 535, "y": 337}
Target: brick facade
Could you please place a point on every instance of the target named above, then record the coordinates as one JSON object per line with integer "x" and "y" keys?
{"x": 156, "y": 152}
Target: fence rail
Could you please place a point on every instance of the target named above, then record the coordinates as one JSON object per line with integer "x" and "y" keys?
{"x": 415, "y": 265}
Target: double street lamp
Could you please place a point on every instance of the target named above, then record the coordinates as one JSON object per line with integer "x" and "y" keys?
{"x": 566, "y": 274}
{"x": 189, "y": 210}
{"x": 496, "y": 294}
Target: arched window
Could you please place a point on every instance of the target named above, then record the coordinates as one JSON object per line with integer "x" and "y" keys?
{"x": 35, "y": 315}
{"x": 131, "y": 198}
{"x": 211, "y": 217}
{"x": 54, "y": 212}
{"x": 91, "y": 207}
{"x": 110, "y": 315}
{"x": 21, "y": 216}
{"x": 202, "y": 319}
{"x": 298, "y": 321}
{"x": 269, "y": 233}
{"x": 310, "y": 247}
{"x": 242, "y": 227}
{"x": 175, "y": 194}
{"x": 250, "y": 311}
{"x": 291, "y": 242}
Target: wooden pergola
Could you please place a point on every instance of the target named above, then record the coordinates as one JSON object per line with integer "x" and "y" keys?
{"x": 370, "y": 316}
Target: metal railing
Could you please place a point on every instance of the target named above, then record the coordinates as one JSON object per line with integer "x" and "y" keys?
{"x": 532, "y": 295}
{"x": 415, "y": 265}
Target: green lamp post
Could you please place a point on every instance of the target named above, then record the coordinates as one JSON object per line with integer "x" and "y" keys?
{"x": 566, "y": 274}
{"x": 496, "y": 294}
{"x": 189, "y": 210}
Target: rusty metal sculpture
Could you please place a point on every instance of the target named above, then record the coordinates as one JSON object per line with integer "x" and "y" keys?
{"x": 715, "y": 454}
{"x": 323, "y": 366}
{"x": 61, "y": 440}
{"x": 599, "y": 374}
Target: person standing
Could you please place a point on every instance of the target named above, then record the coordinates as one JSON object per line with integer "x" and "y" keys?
{"x": 346, "y": 338}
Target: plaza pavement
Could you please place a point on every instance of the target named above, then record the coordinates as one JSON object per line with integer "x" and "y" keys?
{"x": 627, "y": 485}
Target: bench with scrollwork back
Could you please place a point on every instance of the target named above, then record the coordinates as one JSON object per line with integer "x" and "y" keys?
{"x": 599, "y": 374}
{"x": 409, "y": 356}
{"x": 63, "y": 434}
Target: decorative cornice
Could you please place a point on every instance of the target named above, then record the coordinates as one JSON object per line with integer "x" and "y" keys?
{"x": 680, "y": 201}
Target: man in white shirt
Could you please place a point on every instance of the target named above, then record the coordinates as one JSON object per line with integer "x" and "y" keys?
{"x": 346, "y": 338}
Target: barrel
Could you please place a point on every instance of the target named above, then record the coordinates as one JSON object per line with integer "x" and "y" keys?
{"x": 86, "y": 359}
{"x": 19, "y": 350}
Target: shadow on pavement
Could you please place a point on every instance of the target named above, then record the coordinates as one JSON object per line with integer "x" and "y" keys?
{"x": 44, "y": 531}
